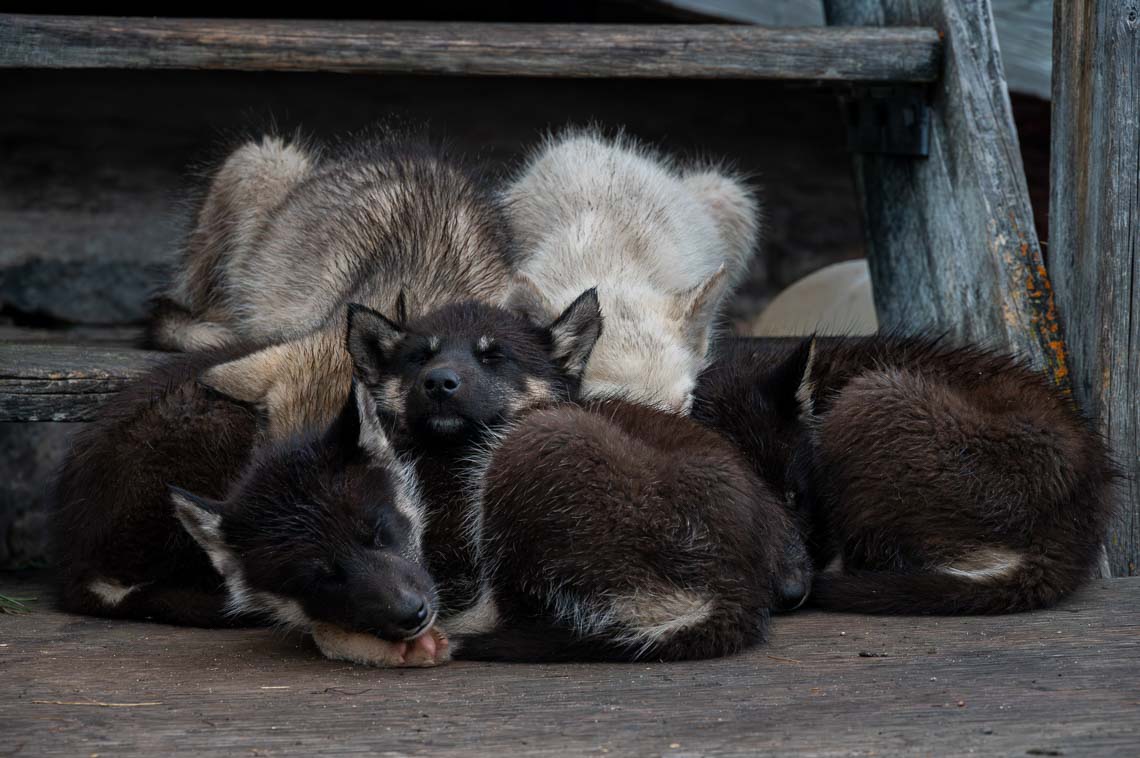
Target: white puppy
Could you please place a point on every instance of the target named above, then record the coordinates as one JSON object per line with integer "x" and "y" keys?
{"x": 662, "y": 244}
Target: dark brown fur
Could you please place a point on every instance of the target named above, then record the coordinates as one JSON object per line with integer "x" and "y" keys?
{"x": 113, "y": 519}
{"x": 629, "y": 534}
{"x": 325, "y": 529}
{"x": 946, "y": 479}
{"x": 503, "y": 364}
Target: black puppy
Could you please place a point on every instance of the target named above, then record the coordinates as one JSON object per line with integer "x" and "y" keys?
{"x": 930, "y": 478}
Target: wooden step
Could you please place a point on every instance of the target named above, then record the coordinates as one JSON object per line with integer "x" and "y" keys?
{"x": 1054, "y": 682}
{"x": 487, "y": 49}
{"x": 50, "y": 382}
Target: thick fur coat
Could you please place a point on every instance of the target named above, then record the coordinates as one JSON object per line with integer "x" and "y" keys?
{"x": 496, "y": 366}
{"x": 619, "y": 532}
{"x": 662, "y": 244}
{"x": 932, "y": 478}
{"x": 119, "y": 549}
{"x": 289, "y": 234}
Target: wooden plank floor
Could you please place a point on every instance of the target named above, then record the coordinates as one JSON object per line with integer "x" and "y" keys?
{"x": 1060, "y": 682}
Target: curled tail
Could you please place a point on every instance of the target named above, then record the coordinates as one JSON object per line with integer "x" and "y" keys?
{"x": 1030, "y": 584}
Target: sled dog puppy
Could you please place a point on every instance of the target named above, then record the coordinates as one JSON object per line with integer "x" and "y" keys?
{"x": 619, "y": 532}
{"x": 118, "y": 547}
{"x": 378, "y": 220}
{"x": 325, "y": 535}
{"x": 936, "y": 479}
{"x": 661, "y": 244}
{"x": 289, "y": 232}
{"x": 123, "y": 553}
{"x": 443, "y": 382}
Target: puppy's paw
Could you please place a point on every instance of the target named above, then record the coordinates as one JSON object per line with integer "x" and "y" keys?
{"x": 429, "y": 649}
{"x": 340, "y": 645}
{"x": 793, "y": 585}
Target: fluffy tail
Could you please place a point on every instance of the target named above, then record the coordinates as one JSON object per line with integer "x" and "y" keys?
{"x": 940, "y": 594}
{"x": 173, "y": 327}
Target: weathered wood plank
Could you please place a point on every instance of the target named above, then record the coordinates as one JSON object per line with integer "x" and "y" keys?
{"x": 1094, "y": 245}
{"x": 566, "y": 50}
{"x": 65, "y": 382}
{"x": 1024, "y": 29}
{"x": 1060, "y": 682}
{"x": 951, "y": 241}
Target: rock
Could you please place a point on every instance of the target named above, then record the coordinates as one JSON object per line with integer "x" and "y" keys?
{"x": 85, "y": 292}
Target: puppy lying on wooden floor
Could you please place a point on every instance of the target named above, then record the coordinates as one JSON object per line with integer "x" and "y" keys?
{"x": 930, "y": 478}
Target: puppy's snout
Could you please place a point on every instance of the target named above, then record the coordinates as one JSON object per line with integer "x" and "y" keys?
{"x": 413, "y": 613}
{"x": 442, "y": 383}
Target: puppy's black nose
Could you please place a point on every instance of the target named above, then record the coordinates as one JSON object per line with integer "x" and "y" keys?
{"x": 441, "y": 383}
{"x": 414, "y": 619}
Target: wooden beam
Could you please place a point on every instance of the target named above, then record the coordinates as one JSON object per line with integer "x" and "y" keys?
{"x": 65, "y": 382}
{"x": 565, "y": 50}
{"x": 1094, "y": 222}
{"x": 951, "y": 241}
{"x": 1024, "y": 28}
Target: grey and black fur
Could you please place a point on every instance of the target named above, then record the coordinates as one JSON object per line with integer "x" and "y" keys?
{"x": 445, "y": 381}
{"x": 168, "y": 511}
{"x": 326, "y": 529}
{"x": 333, "y": 536}
{"x": 289, "y": 234}
{"x": 619, "y": 532}
{"x": 933, "y": 478}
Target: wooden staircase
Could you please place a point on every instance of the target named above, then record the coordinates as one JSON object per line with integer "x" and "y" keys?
{"x": 951, "y": 239}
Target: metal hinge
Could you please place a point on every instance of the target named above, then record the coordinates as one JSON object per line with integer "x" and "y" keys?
{"x": 894, "y": 120}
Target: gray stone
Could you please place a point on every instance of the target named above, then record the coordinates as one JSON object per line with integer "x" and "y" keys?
{"x": 85, "y": 292}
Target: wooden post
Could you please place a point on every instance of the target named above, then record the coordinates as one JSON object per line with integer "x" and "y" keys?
{"x": 950, "y": 238}
{"x": 1094, "y": 246}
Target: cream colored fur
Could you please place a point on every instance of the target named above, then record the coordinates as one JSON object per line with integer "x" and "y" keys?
{"x": 663, "y": 246}
{"x": 286, "y": 238}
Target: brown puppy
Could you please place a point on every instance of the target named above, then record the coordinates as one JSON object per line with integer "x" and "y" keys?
{"x": 118, "y": 546}
{"x": 446, "y": 381}
{"x": 619, "y": 532}
{"x": 934, "y": 479}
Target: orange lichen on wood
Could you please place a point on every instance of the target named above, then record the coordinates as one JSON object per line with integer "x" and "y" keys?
{"x": 1042, "y": 309}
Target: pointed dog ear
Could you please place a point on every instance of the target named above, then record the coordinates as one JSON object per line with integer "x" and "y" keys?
{"x": 370, "y": 339}
{"x": 697, "y": 308}
{"x": 370, "y": 434}
{"x": 202, "y": 519}
{"x": 358, "y": 427}
{"x": 792, "y": 383}
{"x": 574, "y": 333}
